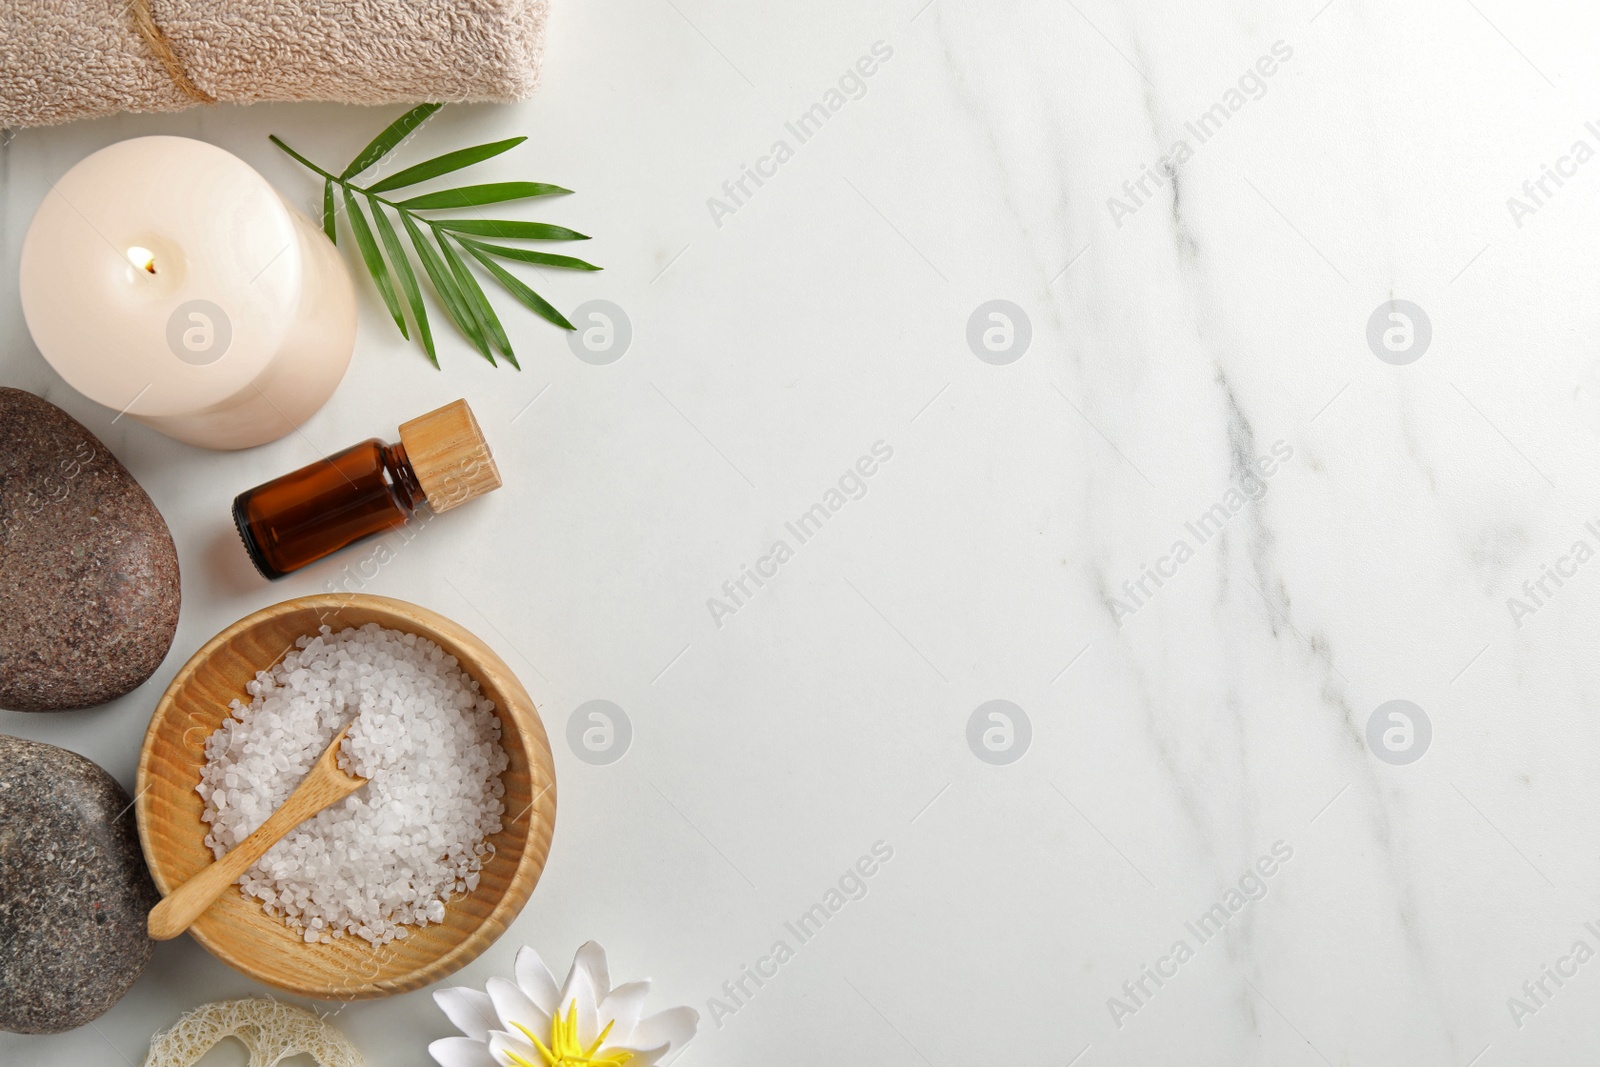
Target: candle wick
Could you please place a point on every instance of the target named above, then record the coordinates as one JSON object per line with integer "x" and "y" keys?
{"x": 142, "y": 258}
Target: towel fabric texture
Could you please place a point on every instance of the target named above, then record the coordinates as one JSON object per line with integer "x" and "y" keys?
{"x": 70, "y": 59}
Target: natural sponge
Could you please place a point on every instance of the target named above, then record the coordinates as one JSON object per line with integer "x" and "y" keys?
{"x": 272, "y": 1032}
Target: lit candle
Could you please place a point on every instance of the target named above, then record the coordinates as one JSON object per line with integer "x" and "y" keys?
{"x": 164, "y": 278}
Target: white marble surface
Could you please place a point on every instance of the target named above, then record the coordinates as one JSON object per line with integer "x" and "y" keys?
{"x": 1171, "y": 746}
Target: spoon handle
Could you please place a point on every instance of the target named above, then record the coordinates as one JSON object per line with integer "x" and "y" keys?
{"x": 324, "y": 786}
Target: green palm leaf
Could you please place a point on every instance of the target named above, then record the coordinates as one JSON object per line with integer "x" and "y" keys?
{"x": 444, "y": 164}
{"x": 439, "y": 244}
{"x": 512, "y": 231}
{"x": 444, "y": 284}
{"x": 474, "y": 195}
{"x": 298, "y": 158}
{"x": 407, "y": 277}
{"x": 328, "y": 216}
{"x": 532, "y": 300}
{"x": 477, "y": 302}
{"x": 385, "y": 142}
{"x": 375, "y": 267}
{"x": 528, "y": 255}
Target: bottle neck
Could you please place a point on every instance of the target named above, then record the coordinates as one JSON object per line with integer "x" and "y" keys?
{"x": 401, "y": 475}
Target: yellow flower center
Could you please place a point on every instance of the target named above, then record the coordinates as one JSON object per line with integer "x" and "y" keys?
{"x": 565, "y": 1050}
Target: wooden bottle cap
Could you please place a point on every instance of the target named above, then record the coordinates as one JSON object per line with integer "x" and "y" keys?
{"x": 451, "y": 459}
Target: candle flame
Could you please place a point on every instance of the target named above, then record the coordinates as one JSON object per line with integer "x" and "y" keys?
{"x": 142, "y": 258}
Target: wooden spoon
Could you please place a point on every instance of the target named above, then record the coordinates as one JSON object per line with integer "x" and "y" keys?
{"x": 325, "y": 786}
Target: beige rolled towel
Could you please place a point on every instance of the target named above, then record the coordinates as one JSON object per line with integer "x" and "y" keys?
{"x": 70, "y": 59}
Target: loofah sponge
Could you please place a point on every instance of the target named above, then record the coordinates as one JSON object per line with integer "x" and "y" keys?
{"x": 273, "y": 1032}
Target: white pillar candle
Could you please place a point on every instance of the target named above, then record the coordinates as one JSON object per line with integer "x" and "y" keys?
{"x": 164, "y": 278}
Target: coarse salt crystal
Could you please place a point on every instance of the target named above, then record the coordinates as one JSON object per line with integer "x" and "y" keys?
{"x": 424, "y": 736}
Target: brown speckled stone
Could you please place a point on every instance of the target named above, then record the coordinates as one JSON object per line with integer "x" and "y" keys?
{"x": 88, "y": 573}
{"x": 74, "y": 890}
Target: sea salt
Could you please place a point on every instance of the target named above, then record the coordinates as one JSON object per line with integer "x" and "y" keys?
{"x": 394, "y": 852}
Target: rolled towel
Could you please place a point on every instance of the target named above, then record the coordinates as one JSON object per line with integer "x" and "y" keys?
{"x": 70, "y": 59}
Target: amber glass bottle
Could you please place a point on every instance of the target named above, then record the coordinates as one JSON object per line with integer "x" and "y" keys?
{"x": 441, "y": 460}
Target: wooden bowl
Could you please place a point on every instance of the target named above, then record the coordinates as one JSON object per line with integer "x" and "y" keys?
{"x": 236, "y": 929}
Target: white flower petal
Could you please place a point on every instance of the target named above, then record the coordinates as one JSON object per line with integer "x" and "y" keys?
{"x": 536, "y": 980}
{"x": 513, "y": 1006}
{"x": 526, "y": 1008}
{"x": 501, "y": 1043}
{"x": 461, "y": 1052}
{"x": 673, "y": 1027}
{"x": 470, "y": 1010}
{"x": 647, "y": 1058}
{"x": 579, "y": 989}
{"x": 622, "y": 1008}
{"x": 592, "y": 958}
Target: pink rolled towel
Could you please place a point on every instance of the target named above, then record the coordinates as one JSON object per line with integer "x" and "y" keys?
{"x": 70, "y": 59}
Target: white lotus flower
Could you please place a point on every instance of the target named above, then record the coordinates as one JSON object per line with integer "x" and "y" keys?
{"x": 584, "y": 1023}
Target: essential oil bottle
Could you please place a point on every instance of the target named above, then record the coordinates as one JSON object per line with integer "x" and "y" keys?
{"x": 440, "y": 461}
